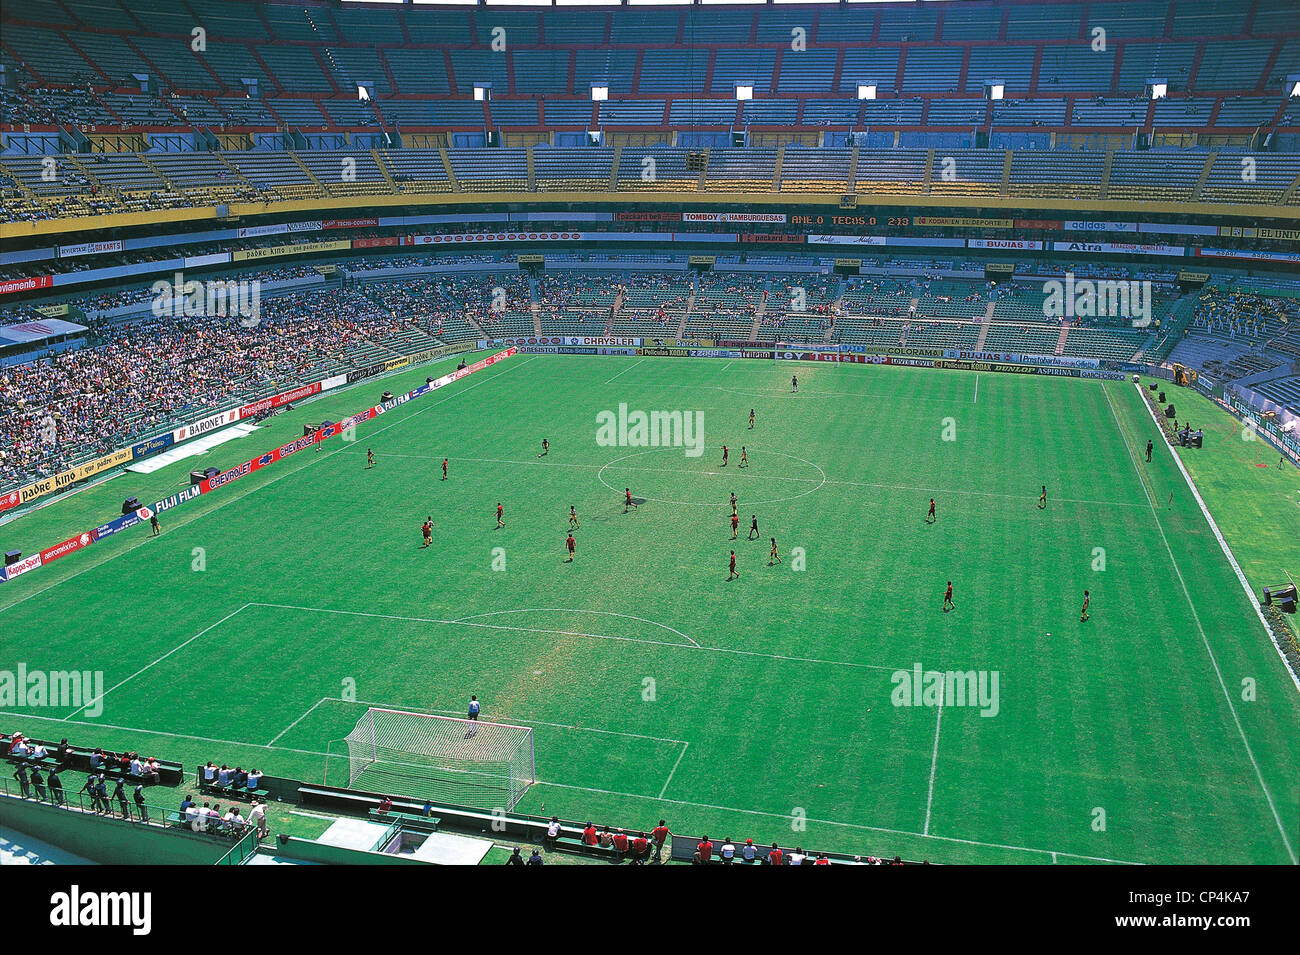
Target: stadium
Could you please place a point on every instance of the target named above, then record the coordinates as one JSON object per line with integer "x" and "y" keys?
{"x": 650, "y": 433}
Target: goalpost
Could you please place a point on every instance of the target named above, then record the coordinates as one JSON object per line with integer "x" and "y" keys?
{"x": 441, "y": 758}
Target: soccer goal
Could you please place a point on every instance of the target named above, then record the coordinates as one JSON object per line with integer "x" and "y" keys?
{"x": 441, "y": 758}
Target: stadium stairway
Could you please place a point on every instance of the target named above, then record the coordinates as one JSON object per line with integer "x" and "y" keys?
{"x": 1060, "y": 342}
{"x": 760, "y": 311}
{"x": 613, "y": 312}
{"x": 986, "y": 325}
{"x": 533, "y": 305}
{"x": 690, "y": 307}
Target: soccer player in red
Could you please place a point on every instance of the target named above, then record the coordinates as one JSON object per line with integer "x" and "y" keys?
{"x": 724, "y": 455}
{"x": 930, "y": 518}
{"x": 735, "y": 526}
{"x": 500, "y": 511}
{"x": 1083, "y": 614}
{"x": 571, "y": 544}
{"x": 427, "y": 530}
{"x": 627, "y": 499}
{"x": 947, "y": 599}
{"x": 444, "y": 469}
{"x": 733, "y": 567}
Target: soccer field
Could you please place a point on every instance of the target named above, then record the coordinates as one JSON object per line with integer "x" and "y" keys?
{"x": 260, "y": 624}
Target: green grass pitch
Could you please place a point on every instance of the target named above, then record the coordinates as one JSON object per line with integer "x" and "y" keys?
{"x": 760, "y": 707}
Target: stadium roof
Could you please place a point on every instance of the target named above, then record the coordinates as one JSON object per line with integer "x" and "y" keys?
{"x": 28, "y": 332}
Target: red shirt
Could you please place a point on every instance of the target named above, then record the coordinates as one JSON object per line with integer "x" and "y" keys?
{"x": 620, "y": 842}
{"x": 706, "y": 850}
{"x": 589, "y": 836}
{"x": 639, "y": 845}
{"x": 629, "y": 497}
{"x": 776, "y": 857}
{"x": 498, "y": 511}
{"x": 660, "y": 833}
{"x": 571, "y": 543}
{"x": 734, "y": 520}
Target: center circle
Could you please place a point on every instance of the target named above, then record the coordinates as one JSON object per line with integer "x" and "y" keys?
{"x": 814, "y": 482}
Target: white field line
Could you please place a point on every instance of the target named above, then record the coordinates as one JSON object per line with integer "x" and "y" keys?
{"x": 1281, "y": 828}
{"x": 160, "y": 659}
{"x": 512, "y": 719}
{"x": 605, "y": 792}
{"x": 603, "y": 613}
{"x": 316, "y": 459}
{"x": 778, "y": 477}
{"x": 625, "y": 370}
{"x": 934, "y": 765}
{"x": 1227, "y": 552}
{"x": 298, "y": 720}
{"x": 673, "y": 772}
{"x": 598, "y": 636}
{"x": 977, "y": 389}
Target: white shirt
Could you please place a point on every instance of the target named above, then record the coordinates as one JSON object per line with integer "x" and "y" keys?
{"x": 749, "y": 852}
{"x": 728, "y": 851}
{"x": 553, "y": 830}
{"x": 796, "y": 858}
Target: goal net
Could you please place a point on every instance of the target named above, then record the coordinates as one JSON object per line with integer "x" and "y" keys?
{"x": 441, "y": 758}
